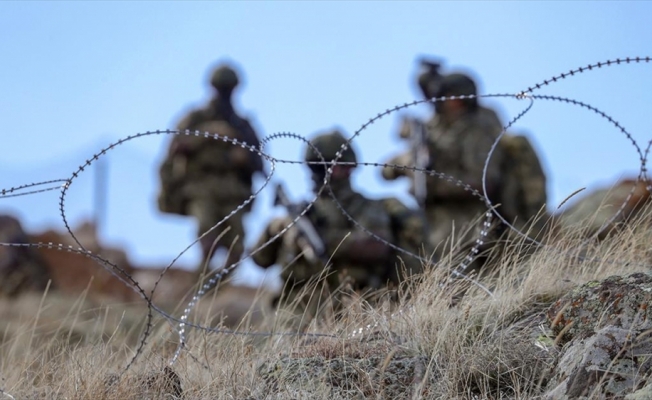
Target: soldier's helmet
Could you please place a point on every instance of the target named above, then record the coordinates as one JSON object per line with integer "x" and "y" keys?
{"x": 329, "y": 144}
{"x": 224, "y": 78}
{"x": 458, "y": 85}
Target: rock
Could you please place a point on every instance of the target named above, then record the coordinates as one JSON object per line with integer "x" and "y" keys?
{"x": 595, "y": 209}
{"x": 618, "y": 301}
{"x": 504, "y": 362}
{"x": 605, "y": 328}
{"x": 164, "y": 384}
{"x": 73, "y": 272}
{"x": 644, "y": 393}
{"x": 610, "y": 364}
{"x": 394, "y": 377}
{"x": 357, "y": 368}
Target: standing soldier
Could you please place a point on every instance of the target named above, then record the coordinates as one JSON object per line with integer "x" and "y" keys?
{"x": 324, "y": 243}
{"x": 458, "y": 140}
{"x": 207, "y": 178}
{"x": 429, "y": 82}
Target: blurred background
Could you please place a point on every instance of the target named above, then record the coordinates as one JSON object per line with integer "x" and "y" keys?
{"x": 77, "y": 76}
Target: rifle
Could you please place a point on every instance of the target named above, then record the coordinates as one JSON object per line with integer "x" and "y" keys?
{"x": 309, "y": 241}
{"x": 429, "y": 82}
{"x": 420, "y": 156}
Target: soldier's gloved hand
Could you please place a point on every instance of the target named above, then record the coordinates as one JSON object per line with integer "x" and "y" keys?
{"x": 404, "y": 131}
{"x": 277, "y": 225}
{"x": 393, "y": 171}
{"x": 389, "y": 173}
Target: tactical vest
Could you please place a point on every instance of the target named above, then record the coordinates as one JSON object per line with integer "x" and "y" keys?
{"x": 523, "y": 194}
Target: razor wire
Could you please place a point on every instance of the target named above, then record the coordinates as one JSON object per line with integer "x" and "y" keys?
{"x": 527, "y": 94}
{"x": 18, "y": 191}
{"x": 215, "y": 276}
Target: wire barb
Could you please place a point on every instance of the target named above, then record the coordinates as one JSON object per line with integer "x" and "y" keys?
{"x": 183, "y": 322}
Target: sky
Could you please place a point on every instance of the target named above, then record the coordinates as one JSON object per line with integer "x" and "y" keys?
{"x": 77, "y": 76}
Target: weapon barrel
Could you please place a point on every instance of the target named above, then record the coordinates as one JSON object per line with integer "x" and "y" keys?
{"x": 421, "y": 158}
{"x": 307, "y": 230}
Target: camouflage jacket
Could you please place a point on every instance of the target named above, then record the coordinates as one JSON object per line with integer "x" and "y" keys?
{"x": 338, "y": 234}
{"x": 460, "y": 149}
{"x": 482, "y": 124}
{"x": 200, "y": 166}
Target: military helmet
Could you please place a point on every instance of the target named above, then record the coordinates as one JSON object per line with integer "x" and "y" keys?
{"x": 329, "y": 144}
{"x": 224, "y": 78}
{"x": 457, "y": 85}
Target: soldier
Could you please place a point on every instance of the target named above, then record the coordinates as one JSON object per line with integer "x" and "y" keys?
{"x": 342, "y": 253}
{"x": 207, "y": 178}
{"x": 458, "y": 140}
{"x": 429, "y": 82}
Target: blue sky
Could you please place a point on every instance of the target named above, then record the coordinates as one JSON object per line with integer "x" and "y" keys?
{"x": 76, "y": 76}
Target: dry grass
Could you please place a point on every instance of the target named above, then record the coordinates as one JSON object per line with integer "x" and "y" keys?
{"x": 438, "y": 344}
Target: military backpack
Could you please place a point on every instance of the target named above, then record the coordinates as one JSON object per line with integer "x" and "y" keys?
{"x": 523, "y": 194}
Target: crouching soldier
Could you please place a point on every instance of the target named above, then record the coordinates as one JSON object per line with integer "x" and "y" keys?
{"x": 325, "y": 252}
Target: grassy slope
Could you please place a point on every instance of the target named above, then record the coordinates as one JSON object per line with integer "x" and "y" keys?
{"x": 501, "y": 347}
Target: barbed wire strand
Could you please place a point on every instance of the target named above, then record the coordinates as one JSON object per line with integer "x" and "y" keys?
{"x": 10, "y": 192}
{"x": 183, "y": 322}
{"x": 589, "y": 67}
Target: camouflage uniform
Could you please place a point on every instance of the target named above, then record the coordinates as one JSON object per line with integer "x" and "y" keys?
{"x": 407, "y": 159}
{"x": 207, "y": 178}
{"x": 458, "y": 146}
{"x": 354, "y": 258}
{"x": 524, "y": 197}
{"x": 410, "y": 234}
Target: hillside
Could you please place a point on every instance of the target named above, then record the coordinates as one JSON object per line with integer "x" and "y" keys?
{"x": 571, "y": 321}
